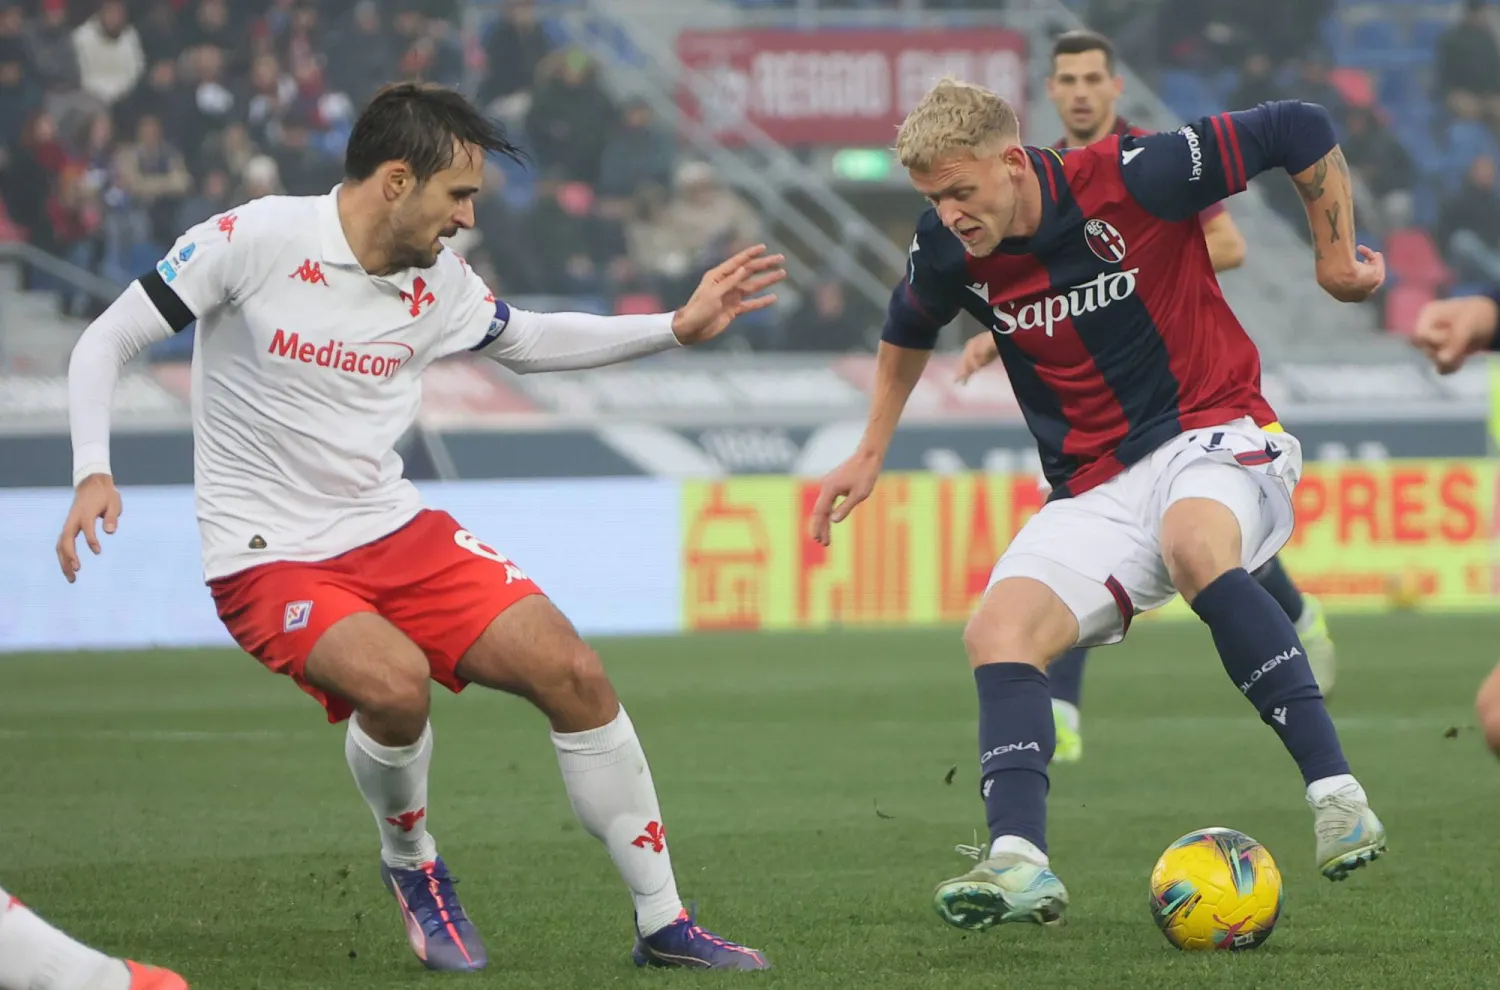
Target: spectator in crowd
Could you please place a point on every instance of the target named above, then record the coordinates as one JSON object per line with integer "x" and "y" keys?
{"x": 1468, "y": 65}
{"x": 163, "y": 97}
{"x": 1377, "y": 158}
{"x": 637, "y": 154}
{"x": 49, "y": 41}
{"x": 571, "y": 116}
{"x": 1257, "y": 83}
{"x": 110, "y": 57}
{"x": 707, "y": 218}
{"x": 26, "y": 179}
{"x": 655, "y": 256}
{"x": 359, "y": 60}
{"x": 144, "y": 117}
{"x": 1469, "y": 226}
{"x": 261, "y": 178}
{"x": 214, "y": 196}
{"x": 514, "y": 49}
{"x": 20, "y": 93}
{"x": 154, "y": 176}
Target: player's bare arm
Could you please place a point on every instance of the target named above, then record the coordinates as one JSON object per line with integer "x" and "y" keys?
{"x": 1226, "y": 245}
{"x": 1449, "y": 330}
{"x": 897, "y": 371}
{"x": 1176, "y": 174}
{"x": 1346, "y": 271}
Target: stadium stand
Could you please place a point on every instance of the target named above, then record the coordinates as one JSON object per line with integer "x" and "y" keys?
{"x": 1415, "y": 86}
{"x": 123, "y": 122}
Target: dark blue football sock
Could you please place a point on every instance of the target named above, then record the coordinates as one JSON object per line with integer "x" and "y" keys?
{"x": 1265, "y": 659}
{"x": 1274, "y": 578}
{"x": 1065, "y": 677}
{"x": 1016, "y": 739}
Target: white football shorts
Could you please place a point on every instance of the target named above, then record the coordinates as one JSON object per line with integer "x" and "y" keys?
{"x": 1100, "y": 551}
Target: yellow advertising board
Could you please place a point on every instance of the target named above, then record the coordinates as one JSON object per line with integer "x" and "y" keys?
{"x": 920, "y": 550}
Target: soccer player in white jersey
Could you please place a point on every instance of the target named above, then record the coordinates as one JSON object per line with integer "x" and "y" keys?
{"x": 36, "y": 956}
{"x": 315, "y": 318}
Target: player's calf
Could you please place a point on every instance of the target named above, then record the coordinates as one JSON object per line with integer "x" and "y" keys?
{"x": 533, "y": 651}
{"x": 1019, "y": 626}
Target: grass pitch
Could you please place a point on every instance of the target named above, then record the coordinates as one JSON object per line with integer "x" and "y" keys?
{"x": 189, "y": 809}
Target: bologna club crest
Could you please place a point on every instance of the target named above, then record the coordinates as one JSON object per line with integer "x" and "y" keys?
{"x": 1105, "y": 241}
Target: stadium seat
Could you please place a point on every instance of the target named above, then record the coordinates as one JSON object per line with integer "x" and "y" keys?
{"x": 638, "y": 304}
{"x": 1415, "y": 260}
{"x": 1402, "y": 304}
{"x": 1354, "y": 85}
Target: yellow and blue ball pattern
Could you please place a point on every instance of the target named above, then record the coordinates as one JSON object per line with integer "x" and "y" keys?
{"x": 1216, "y": 889}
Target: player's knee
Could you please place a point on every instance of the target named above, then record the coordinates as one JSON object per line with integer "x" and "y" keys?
{"x": 1020, "y": 620}
{"x": 575, "y": 692}
{"x": 396, "y": 700}
{"x": 1200, "y": 542}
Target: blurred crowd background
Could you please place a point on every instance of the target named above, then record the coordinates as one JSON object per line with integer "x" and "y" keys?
{"x": 124, "y": 121}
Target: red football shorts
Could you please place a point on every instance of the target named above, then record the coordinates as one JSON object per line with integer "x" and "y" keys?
{"x": 432, "y": 579}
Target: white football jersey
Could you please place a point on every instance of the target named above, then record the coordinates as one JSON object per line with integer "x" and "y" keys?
{"x": 306, "y": 372}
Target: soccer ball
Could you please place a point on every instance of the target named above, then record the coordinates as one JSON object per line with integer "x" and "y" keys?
{"x": 1216, "y": 889}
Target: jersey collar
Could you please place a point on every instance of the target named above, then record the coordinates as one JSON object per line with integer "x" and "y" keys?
{"x": 336, "y": 249}
{"x": 1053, "y": 180}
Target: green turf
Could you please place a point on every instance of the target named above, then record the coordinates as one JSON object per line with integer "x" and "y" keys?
{"x": 189, "y": 809}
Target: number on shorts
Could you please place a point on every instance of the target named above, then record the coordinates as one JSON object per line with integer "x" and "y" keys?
{"x": 479, "y": 548}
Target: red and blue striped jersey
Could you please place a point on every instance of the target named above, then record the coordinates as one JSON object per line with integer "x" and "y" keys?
{"x": 1109, "y": 319}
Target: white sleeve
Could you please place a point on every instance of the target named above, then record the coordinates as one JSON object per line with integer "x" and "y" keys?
{"x": 527, "y": 342}
{"x": 207, "y": 267}
{"x": 530, "y": 342}
{"x": 130, "y": 325}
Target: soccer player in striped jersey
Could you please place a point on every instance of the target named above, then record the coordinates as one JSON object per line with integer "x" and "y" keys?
{"x": 1168, "y": 469}
{"x": 1085, "y": 88}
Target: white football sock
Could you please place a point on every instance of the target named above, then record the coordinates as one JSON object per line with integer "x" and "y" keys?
{"x": 1017, "y": 846}
{"x": 393, "y": 780}
{"x": 1320, "y": 789}
{"x": 36, "y": 956}
{"x": 610, "y": 787}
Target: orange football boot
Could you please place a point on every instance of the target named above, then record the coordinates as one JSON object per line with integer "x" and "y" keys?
{"x": 151, "y": 978}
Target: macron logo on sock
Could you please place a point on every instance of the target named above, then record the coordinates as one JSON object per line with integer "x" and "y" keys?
{"x": 1279, "y": 714}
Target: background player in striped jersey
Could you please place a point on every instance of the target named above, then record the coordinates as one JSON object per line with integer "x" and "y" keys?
{"x": 36, "y": 956}
{"x": 1085, "y": 89}
{"x": 1448, "y": 331}
{"x": 1168, "y": 471}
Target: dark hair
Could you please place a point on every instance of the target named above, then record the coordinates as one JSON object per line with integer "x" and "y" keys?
{"x": 417, "y": 123}
{"x": 1078, "y": 42}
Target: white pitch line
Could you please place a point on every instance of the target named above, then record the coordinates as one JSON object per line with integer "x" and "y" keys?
{"x": 153, "y": 735}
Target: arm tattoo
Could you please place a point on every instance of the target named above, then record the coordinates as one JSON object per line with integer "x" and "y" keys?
{"x": 1337, "y": 156}
{"x": 1312, "y": 189}
{"x": 1333, "y": 213}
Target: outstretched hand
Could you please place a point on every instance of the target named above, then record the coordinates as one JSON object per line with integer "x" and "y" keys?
{"x": 96, "y": 498}
{"x": 727, "y": 291}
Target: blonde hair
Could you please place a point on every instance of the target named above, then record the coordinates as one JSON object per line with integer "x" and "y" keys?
{"x": 955, "y": 117}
